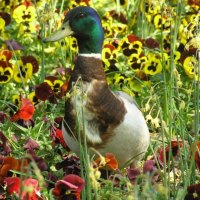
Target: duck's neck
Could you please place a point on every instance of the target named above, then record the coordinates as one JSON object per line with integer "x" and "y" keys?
{"x": 91, "y": 46}
{"x": 89, "y": 64}
{"x": 92, "y": 41}
{"x": 89, "y": 68}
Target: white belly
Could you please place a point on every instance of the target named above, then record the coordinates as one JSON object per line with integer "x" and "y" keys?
{"x": 130, "y": 139}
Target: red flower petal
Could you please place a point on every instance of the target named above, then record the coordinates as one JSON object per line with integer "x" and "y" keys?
{"x": 194, "y": 2}
{"x": 151, "y": 43}
{"x": 6, "y": 17}
{"x": 196, "y": 148}
{"x": 27, "y": 3}
{"x": 132, "y": 38}
{"x": 32, "y": 192}
{"x": 64, "y": 88}
{"x": 6, "y": 53}
{"x": 12, "y": 185}
{"x": 43, "y": 91}
{"x": 69, "y": 182}
{"x": 194, "y": 188}
{"x": 118, "y": 16}
{"x": 9, "y": 163}
{"x": 75, "y": 180}
{"x": 32, "y": 60}
{"x": 175, "y": 146}
{"x": 111, "y": 47}
{"x": 25, "y": 112}
{"x": 59, "y": 136}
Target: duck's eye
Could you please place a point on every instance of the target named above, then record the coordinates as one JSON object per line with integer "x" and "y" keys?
{"x": 81, "y": 15}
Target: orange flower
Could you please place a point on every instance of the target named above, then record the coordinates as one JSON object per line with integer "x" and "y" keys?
{"x": 10, "y": 163}
{"x": 110, "y": 161}
{"x": 25, "y": 111}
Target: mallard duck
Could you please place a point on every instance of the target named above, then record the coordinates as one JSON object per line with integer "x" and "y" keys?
{"x": 111, "y": 121}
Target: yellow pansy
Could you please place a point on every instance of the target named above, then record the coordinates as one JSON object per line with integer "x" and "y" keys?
{"x": 134, "y": 48}
{"x": 107, "y": 29}
{"x": 109, "y": 57}
{"x": 136, "y": 62}
{"x": 73, "y": 44}
{"x": 153, "y": 65}
{"x": 57, "y": 85}
{"x": 119, "y": 27}
{"x": 22, "y": 72}
{"x": 2, "y": 24}
{"x": 193, "y": 43}
{"x": 107, "y": 54}
{"x": 151, "y": 7}
{"x": 24, "y": 13}
{"x": 7, "y": 6}
{"x": 33, "y": 98}
{"x": 3, "y": 57}
{"x": 5, "y": 74}
{"x": 49, "y": 49}
{"x": 118, "y": 79}
{"x": 54, "y": 84}
{"x": 16, "y": 99}
{"x": 73, "y": 4}
{"x": 177, "y": 56}
{"x": 135, "y": 85}
{"x": 161, "y": 22}
{"x": 41, "y": 3}
{"x": 189, "y": 65}
{"x": 27, "y": 28}
{"x": 123, "y": 3}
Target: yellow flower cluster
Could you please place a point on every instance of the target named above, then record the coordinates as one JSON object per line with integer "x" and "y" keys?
{"x": 21, "y": 71}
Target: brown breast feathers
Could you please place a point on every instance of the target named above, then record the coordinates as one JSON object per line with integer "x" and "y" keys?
{"x": 109, "y": 111}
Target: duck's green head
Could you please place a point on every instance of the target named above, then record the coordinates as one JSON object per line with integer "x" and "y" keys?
{"x": 84, "y": 24}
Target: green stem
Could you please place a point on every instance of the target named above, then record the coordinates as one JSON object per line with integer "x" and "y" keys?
{"x": 196, "y": 96}
{"x": 42, "y": 73}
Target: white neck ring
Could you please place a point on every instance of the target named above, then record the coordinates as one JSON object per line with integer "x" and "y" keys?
{"x": 91, "y": 55}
